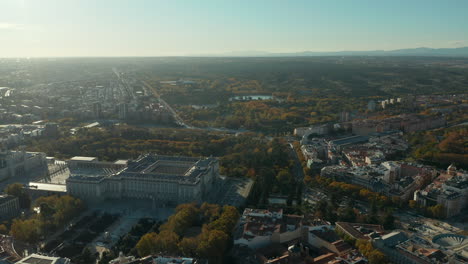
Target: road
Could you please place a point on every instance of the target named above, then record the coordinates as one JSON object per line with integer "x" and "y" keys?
{"x": 179, "y": 121}
{"x": 177, "y": 118}
{"x": 6, "y": 243}
{"x": 129, "y": 93}
{"x": 297, "y": 169}
{"x": 124, "y": 86}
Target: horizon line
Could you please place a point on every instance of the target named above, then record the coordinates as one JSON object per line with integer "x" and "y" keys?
{"x": 265, "y": 54}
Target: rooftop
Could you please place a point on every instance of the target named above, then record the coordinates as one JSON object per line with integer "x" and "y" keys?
{"x": 170, "y": 167}
{"x": 5, "y": 198}
{"x": 95, "y": 124}
{"x": 173, "y": 260}
{"x": 47, "y": 187}
{"x": 250, "y": 211}
{"x": 123, "y": 162}
{"x": 394, "y": 238}
{"x": 458, "y": 182}
{"x": 360, "y": 231}
{"x": 40, "y": 259}
{"x": 349, "y": 140}
{"x": 186, "y": 170}
{"x": 81, "y": 158}
{"x": 328, "y": 235}
{"x": 260, "y": 222}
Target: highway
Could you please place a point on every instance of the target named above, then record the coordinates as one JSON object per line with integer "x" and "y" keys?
{"x": 177, "y": 118}
{"x": 181, "y": 122}
{"x": 127, "y": 90}
{"x": 124, "y": 87}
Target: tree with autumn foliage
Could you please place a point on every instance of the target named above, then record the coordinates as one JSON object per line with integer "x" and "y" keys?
{"x": 374, "y": 256}
{"x": 216, "y": 224}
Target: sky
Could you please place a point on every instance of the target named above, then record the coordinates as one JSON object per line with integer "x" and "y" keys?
{"x": 57, "y": 28}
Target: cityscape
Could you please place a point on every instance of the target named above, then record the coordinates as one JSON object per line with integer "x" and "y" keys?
{"x": 148, "y": 151}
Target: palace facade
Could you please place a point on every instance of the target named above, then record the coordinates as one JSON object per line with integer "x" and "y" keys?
{"x": 164, "y": 179}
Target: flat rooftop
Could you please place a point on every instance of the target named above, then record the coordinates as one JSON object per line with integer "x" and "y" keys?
{"x": 39, "y": 259}
{"x": 171, "y": 167}
{"x": 358, "y": 230}
{"x": 121, "y": 161}
{"x": 81, "y": 158}
{"x": 47, "y": 187}
{"x": 5, "y": 198}
{"x": 34, "y": 260}
{"x": 350, "y": 140}
{"x": 95, "y": 124}
{"x": 186, "y": 170}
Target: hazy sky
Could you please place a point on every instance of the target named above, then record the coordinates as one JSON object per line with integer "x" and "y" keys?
{"x": 185, "y": 27}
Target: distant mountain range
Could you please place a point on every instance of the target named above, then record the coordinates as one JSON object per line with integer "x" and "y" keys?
{"x": 443, "y": 52}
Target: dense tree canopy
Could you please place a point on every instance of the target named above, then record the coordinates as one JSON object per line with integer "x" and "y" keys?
{"x": 216, "y": 224}
{"x": 17, "y": 190}
{"x": 441, "y": 147}
{"x": 54, "y": 212}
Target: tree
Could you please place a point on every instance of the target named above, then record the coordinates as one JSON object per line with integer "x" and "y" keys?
{"x": 57, "y": 211}
{"x": 372, "y": 217}
{"x": 126, "y": 243}
{"x": 267, "y": 178}
{"x": 364, "y": 246}
{"x": 283, "y": 177}
{"x": 397, "y": 201}
{"x": 213, "y": 244}
{"x": 308, "y": 179}
{"x": 3, "y": 229}
{"x": 210, "y": 211}
{"x": 388, "y": 221}
{"x": 330, "y": 214}
{"x": 167, "y": 242}
{"x": 299, "y": 192}
{"x": 186, "y": 215}
{"x": 349, "y": 215}
{"x": 373, "y": 255}
{"x": 46, "y": 211}
{"x": 227, "y": 221}
{"x": 86, "y": 257}
{"x": 437, "y": 211}
{"x": 376, "y": 257}
{"x": 146, "y": 245}
{"x": 25, "y": 230}
{"x": 17, "y": 190}
{"x": 188, "y": 246}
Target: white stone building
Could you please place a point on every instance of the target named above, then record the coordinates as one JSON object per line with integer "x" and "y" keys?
{"x": 162, "y": 179}
{"x": 9, "y": 206}
{"x": 19, "y": 163}
{"x": 259, "y": 228}
{"x": 449, "y": 189}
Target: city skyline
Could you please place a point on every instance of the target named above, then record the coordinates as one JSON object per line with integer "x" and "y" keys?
{"x": 187, "y": 28}
{"x": 233, "y": 131}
